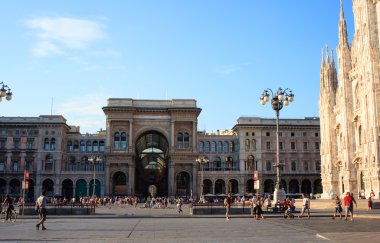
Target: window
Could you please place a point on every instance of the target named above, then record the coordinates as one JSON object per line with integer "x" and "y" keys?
{"x": 220, "y": 147}
{"x": 207, "y": 147}
{"x": 281, "y": 146}
{"x": 101, "y": 146}
{"x": 292, "y": 134}
{"x": 253, "y": 134}
{"x": 17, "y": 132}
{"x": 304, "y": 145}
{"x": 247, "y": 134}
{"x": 304, "y": 134}
{"x": 95, "y": 146}
{"x": 213, "y": 147}
{"x": 268, "y": 146}
{"x": 232, "y": 147}
{"x": 225, "y": 147}
{"x": 269, "y": 165}
{"x": 46, "y": 144}
{"x": 253, "y": 144}
{"x": 3, "y": 143}
{"x": 69, "y": 146}
{"x": 247, "y": 145}
{"x": 267, "y": 134}
{"x": 16, "y": 143}
{"x": 2, "y": 167}
{"x": 318, "y": 165}
{"x": 49, "y": 162}
{"x": 316, "y": 134}
{"x": 52, "y": 144}
{"x": 186, "y": 140}
{"x": 306, "y": 165}
{"x": 15, "y": 166}
{"x": 116, "y": 141}
{"x": 82, "y": 146}
{"x": 217, "y": 163}
{"x": 316, "y": 145}
{"x": 293, "y": 145}
{"x": 282, "y": 162}
{"x": 280, "y": 134}
{"x": 200, "y": 147}
{"x": 123, "y": 139}
{"x": 294, "y": 165}
{"x": 180, "y": 140}
{"x": 76, "y": 146}
{"x": 88, "y": 146}
{"x": 30, "y": 143}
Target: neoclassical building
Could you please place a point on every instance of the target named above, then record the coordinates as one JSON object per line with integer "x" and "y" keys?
{"x": 349, "y": 106}
{"x": 153, "y": 145}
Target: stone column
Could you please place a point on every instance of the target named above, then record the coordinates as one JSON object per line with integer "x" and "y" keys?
{"x": 171, "y": 179}
{"x": 9, "y": 162}
{"x": 130, "y": 135}
{"x": 195, "y": 136}
{"x": 107, "y": 179}
{"x": 172, "y": 141}
{"x": 131, "y": 177}
{"x": 195, "y": 176}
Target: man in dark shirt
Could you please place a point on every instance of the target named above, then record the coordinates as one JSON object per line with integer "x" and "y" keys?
{"x": 227, "y": 204}
{"x": 8, "y": 200}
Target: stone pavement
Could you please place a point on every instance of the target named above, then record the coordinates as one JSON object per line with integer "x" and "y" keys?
{"x": 166, "y": 225}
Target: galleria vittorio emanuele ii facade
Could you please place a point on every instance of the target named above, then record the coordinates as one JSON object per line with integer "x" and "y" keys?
{"x": 156, "y": 143}
{"x": 350, "y": 106}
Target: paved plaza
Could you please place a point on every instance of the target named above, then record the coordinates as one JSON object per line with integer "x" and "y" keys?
{"x": 166, "y": 225}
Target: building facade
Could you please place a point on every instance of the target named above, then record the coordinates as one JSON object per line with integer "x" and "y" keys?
{"x": 152, "y": 146}
{"x": 349, "y": 106}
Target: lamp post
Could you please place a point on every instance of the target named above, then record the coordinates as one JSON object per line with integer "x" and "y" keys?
{"x": 202, "y": 161}
{"x": 94, "y": 159}
{"x": 278, "y": 100}
{"x": 5, "y": 91}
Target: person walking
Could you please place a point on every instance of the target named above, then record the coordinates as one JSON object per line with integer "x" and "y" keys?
{"x": 369, "y": 202}
{"x": 305, "y": 206}
{"x": 349, "y": 201}
{"x": 259, "y": 205}
{"x": 338, "y": 207}
{"x": 227, "y": 204}
{"x": 41, "y": 204}
{"x": 8, "y": 200}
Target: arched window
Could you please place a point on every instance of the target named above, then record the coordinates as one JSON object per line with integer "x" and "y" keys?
{"x": 225, "y": 147}
{"x": 269, "y": 166}
{"x": 76, "y": 146}
{"x": 219, "y": 147}
{"x": 232, "y": 147}
{"x": 49, "y": 162}
{"x": 253, "y": 144}
{"x": 123, "y": 140}
{"x": 247, "y": 145}
{"x": 213, "y": 147}
{"x": 294, "y": 165}
{"x": 89, "y": 146}
{"x": 82, "y": 146}
{"x": 207, "y": 147}
{"x": 101, "y": 146}
{"x": 318, "y": 165}
{"x": 217, "y": 163}
{"x": 15, "y": 166}
{"x": 305, "y": 165}
{"x": 186, "y": 140}
{"x": 52, "y": 144}
{"x": 116, "y": 141}
{"x": 180, "y": 140}
{"x": 69, "y": 146}
{"x": 200, "y": 146}
{"x": 95, "y": 146}
{"x": 46, "y": 144}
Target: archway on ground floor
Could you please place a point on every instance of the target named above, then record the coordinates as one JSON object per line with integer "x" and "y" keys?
{"x": 306, "y": 187}
{"x": 233, "y": 186}
{"x": 249, "y": 188}
{"x": 30, "y": 192}
{"x": 318, "y": 189}
{"x": 283, "y": 185}
{"x": 294, "y": 186}
{"x": 3, "y": 188}
{"x": 14, "y": 188}
{"x": 67, "y": 189}
{"x": 183, "y": 184}
{"x": 119, "y": 182}
{"x": 220, "y": 187}
{"x": 48, "y": 187}
{"x": 207, "y": 186}
{"x": 152, "y": 150}
{"x": 97, "y": 187}
{"x": 268, "y": 186}
{"x": 80, "y": 188}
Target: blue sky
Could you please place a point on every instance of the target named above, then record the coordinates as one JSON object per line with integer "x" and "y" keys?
{"x": 77, "y": 54}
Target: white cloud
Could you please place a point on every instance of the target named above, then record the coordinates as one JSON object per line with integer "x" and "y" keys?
{"x": 54, "y": 35}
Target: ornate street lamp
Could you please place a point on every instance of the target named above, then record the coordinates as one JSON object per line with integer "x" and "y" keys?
{"x": 95, "y": 159}
{"x": 5, "y": 91}
{"x": 278, "y": 100}
{"x": 202, "y": 161}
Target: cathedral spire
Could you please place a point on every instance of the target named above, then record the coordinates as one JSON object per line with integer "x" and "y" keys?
{"x": 343, "y": 37}
{"x": 327, "y": 55}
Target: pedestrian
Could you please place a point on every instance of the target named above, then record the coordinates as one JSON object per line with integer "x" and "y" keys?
{"x": 227, "y": 204}
{"x": 42, "y": 211}
{"x": 338, "y": 207}
{"x": 179, "y": 205}
{"x": 372, "y": 194}
{"x": 349, "y": 206}
{"x": 369, "y": 203}
{"x": 305, "y": 206}
{"x": 8, "y": 200}
{"x": 259, "y": 206}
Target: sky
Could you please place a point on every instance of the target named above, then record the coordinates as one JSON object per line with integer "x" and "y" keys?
{"x": 68, "y": 57}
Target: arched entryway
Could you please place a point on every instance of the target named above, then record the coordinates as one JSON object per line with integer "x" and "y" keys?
{"x": 220, "y": 187}
{"x": 48, "y": 187}
{"x": 183, "y": 184}
{"x": 68, "y": 189}
{"x": 80, "y": 188}
{"x": 268, "y": 186}
{"x": 249, "y": 188}
{"x": 294, "y": 186}
{"x": 306, "y": 187}
{"x": 15, "y": 187}
{"x": 152, "y": 150}
{"x": 30, "y": 191}
{"x": 119, "y": 183}
{"x": 283, "y": 185}
{"x": 97, "y": 187}
{"x": 318, "y": 186}
{"x": 207, "y": 186}
{"x": 233, "y": 186}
